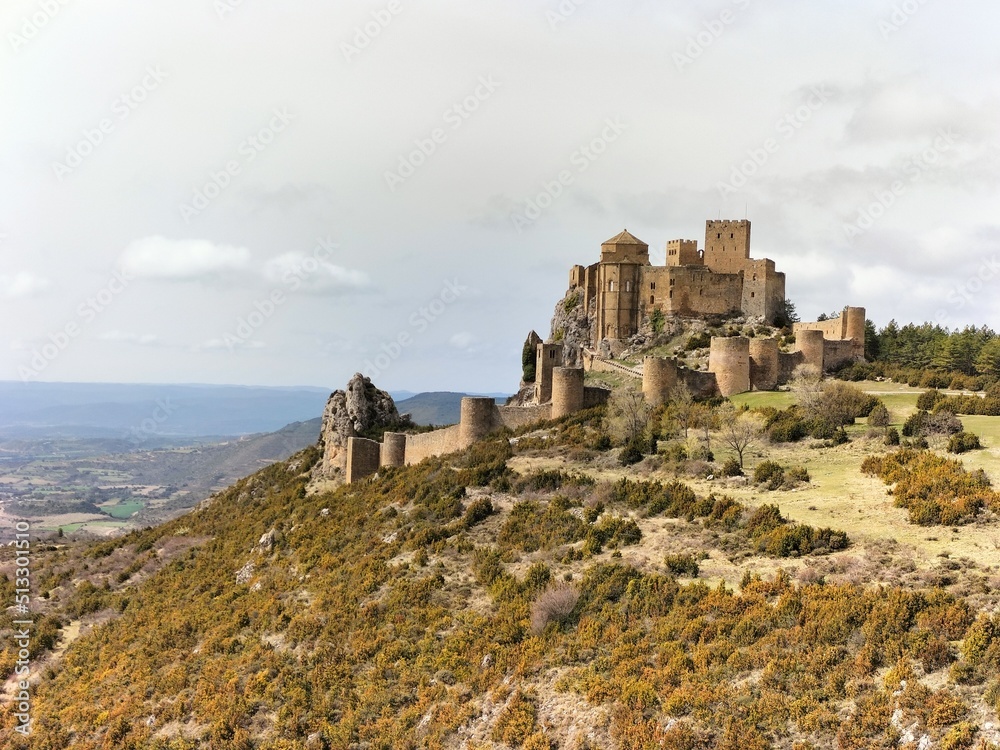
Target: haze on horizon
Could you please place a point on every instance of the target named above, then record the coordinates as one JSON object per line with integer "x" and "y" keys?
{"x": 237, "y": 192}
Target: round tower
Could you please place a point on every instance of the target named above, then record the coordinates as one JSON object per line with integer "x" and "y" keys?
{"x": 856, "y": 330}
{"x": 729, "y": 359}
{"x": 476, "y": 421}
{"x": 394, "y": 449}
{"x": 764, "y": 364}
{"x": 659, "y": 377}
{"x": 810, "y": 343}
{"x": 567, "y": 391}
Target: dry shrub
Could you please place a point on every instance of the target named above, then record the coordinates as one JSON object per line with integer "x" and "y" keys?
{"x": 555, "y": 604}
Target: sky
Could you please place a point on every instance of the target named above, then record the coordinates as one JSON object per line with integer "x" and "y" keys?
{"x": 241, "y": 192}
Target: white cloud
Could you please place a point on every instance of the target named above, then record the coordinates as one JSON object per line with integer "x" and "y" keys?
{"x": 122, "y": 337}
{"x": 230, "y": 343}
{"x": 182, "y": 260}
{"x": 463, "y": 340}
{"x": 21, "y": 285}
{"x": 299, "y": 270}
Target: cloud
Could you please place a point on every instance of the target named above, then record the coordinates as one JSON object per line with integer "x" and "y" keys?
{"x": 230, "y": 343}
{"x": 182, "y": 260}
{"x": 21, "y": 285}
{"x": 910, "y": 108}
{"x": 299, "y": 270}
{"x": 139, "y": 339}
{"x": 463, "y": 340}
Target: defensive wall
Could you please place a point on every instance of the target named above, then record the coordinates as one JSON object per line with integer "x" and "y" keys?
{"x": 479, "y": 417}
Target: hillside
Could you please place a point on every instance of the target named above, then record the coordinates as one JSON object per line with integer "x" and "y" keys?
{"x": 492, "y": 600}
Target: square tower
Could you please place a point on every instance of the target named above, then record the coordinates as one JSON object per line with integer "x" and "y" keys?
{"x": 683, "y": 253}
{"x": 727, "y": 245}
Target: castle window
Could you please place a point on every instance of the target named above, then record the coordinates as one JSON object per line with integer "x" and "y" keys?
{"x": 652, "y": 285}
{"x": 672, "y": 281}
{"x": 611, "y": 286}
{"x": 671, "y": 294}
{"x": 628, "y": 286}
{"x": 552, "y": 354}
{"x": 732, "y": 236}
{"x": 753, "y": 294}
{"x": 651, "y": 300}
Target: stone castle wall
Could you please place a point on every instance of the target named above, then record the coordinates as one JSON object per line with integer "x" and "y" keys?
{"x": 729, "y": 361}
{"x": 394, "y": 449}
{"x": 764, "y": 370}
{"x": 363, "y": 458}
{"x": 429, "y": 444}
{"x": 479, "y": 417}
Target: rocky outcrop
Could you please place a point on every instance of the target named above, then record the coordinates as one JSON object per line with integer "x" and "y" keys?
{"x": 354, "y": 412}
{"x": 571, "y": 327}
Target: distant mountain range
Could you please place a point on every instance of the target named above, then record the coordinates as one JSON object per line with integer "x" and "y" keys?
{"x": 436, "y": 408}
{"x": 147, "y": 415}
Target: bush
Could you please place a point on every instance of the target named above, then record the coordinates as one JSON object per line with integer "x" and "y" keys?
{"x": 478, "y": 512}
{"x": 879, "y": 416}
{"x": 923, "y": 424}
{"x": 632, "y": 453}
{"x": 698, "y": 341}
{"x": 892, "y": 436}
{"x": 555, "y": 604}
{"x": 934, "y": 489}
{"x": 787, "y": 426}
{"x": 682, "y": 565}
{"x": 614, "y": 532}
{"x": 517, "y": 722}
{"x": 914, "y": 424}
{"x": 675, "y": 452}
{"x": 732, "y": 468}
{"x": 798, "y": 474}
{"x": 962, "y": 442}
{"x": 768, "y": 471}
{"x": 928, "y": 399}
{"x": 532, "y": 527}
{"x": 764, "y": 519}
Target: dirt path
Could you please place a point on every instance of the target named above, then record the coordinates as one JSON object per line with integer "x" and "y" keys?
{"x": 69, "y": 634}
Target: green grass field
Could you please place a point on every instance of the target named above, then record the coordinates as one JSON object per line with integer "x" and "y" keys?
{"x": 123, "y": 510}
{"x": 839, "y": 495}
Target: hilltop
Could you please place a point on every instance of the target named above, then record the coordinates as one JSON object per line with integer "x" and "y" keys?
{"x": 527, "y": 592}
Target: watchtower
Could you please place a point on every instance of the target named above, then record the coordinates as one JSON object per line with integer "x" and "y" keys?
{"x": 727, "y": 245}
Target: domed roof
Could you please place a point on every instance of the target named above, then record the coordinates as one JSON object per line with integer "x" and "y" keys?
{"x": 625, "y": 238}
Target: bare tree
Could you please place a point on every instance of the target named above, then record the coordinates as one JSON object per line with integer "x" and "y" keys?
{"x": 681, "y": 411}
{"x": 741, "y": 431}
{"x": 706, "y": 419}
{"x": 628, "y": 414}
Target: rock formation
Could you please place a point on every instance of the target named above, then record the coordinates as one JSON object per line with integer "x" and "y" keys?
{"x": 351, "y": 413}
{"x": 571, "y": 327}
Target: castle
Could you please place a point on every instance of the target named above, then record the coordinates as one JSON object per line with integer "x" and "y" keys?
{"x": 621, "y": 291}
{"x": 624, "y": 287}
